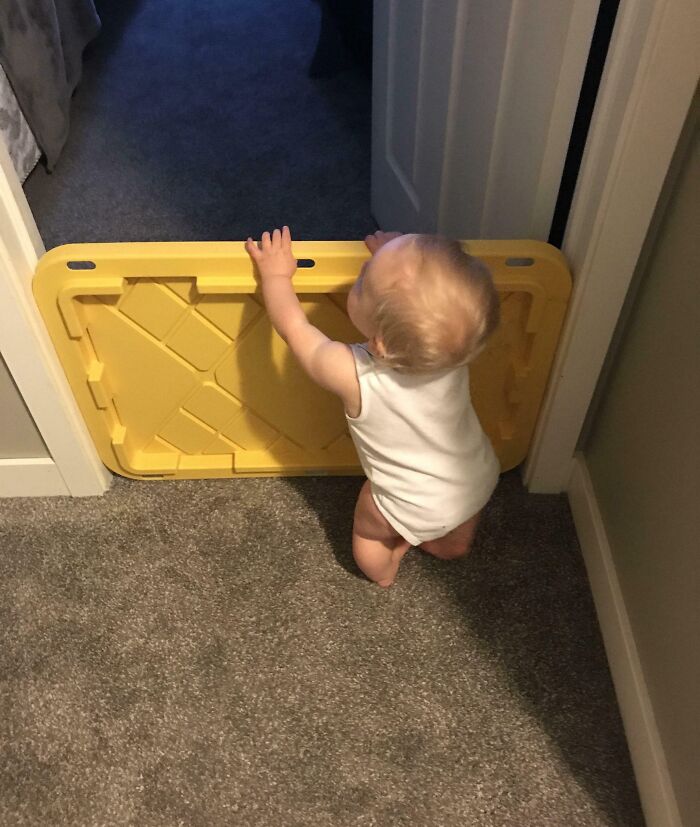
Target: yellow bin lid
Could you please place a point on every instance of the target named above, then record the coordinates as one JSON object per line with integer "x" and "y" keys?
{"x": 179, "y": 374}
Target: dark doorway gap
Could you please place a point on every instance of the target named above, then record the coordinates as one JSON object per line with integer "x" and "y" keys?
{"x": 600, "y": 43}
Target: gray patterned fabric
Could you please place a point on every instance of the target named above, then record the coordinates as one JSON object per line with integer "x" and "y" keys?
{"x": 41, "y": 46}
{"x": 15, "y": 131}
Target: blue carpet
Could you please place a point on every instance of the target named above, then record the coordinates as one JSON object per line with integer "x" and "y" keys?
{"x": 198, "y": 121}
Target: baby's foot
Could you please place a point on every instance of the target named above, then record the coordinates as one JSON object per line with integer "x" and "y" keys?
{"x": 396, "y": 557}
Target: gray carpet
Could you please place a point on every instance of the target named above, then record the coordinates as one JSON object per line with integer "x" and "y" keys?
{"x": 204, "y": 653}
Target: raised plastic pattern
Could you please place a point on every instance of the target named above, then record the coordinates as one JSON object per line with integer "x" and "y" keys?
{"x": 178, "y": 372}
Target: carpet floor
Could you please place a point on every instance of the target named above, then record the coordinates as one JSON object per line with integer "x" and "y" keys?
{"x": 205, "y": 653}
{"x": 199, "y": 122}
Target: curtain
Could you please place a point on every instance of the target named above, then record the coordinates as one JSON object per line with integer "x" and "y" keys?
{"x": 41, "y": 47}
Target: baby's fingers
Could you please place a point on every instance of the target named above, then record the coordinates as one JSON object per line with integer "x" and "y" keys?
{"x": 282, "y": 238}
{"x": 371, "y": 242}
{"x": 252, "y": 249}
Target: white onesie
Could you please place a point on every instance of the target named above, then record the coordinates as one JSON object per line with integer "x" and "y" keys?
{"x": 429, "y": 463}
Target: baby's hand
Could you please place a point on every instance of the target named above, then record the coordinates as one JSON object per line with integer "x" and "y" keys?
{"x": 379, "y": 239}
{"x": 273, "y": 256}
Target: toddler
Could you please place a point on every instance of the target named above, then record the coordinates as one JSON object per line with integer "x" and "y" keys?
{"x": 426, "y": 309}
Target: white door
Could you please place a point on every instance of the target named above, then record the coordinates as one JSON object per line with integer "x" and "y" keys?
{"x": 473, "y": 104}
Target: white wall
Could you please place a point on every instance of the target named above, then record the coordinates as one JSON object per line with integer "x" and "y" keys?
{"x": 19, "y": 436}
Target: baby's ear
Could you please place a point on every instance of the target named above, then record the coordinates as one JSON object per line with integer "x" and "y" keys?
{"x": 377, "y": 346}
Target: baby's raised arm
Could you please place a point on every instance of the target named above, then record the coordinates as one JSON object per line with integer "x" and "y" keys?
{"x": 329, "y": 363}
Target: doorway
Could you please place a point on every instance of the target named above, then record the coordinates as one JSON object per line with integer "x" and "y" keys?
{"x": 30, "y": 357}
{"x": 202, "y": 122}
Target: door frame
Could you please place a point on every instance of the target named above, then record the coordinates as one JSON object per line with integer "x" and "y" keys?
{"x": 73, "y": 467}
{"x": 650, "y": 77}
{"x": 646, "y": 91}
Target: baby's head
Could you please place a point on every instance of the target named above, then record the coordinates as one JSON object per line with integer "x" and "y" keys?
{"x": 424, "y": 304}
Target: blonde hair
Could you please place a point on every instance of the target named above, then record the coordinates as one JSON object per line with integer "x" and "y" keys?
{"x": 440, "y": 314}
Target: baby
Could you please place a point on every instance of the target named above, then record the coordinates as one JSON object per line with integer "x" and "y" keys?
{"x": 426, "y": 309}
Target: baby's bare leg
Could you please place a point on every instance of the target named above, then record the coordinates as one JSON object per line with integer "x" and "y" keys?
{"x": 376, "y": 546}
{"x": 454, "y": 544}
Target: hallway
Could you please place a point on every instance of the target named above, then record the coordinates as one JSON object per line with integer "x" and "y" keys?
{"x": 204, "y": 652}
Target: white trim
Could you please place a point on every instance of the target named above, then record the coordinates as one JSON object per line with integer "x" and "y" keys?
{"x": 27, "y": 349}
{"x": 646, "y": 750}
{"x": 623, "y": 170}
{"x": 34, "y": 477}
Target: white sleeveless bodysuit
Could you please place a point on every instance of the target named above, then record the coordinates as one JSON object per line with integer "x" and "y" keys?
{"x": 429, "y": 463}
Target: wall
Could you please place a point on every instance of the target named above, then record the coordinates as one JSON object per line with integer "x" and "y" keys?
{"x": 19, "y": 436}
{"x": 643, "y": 455}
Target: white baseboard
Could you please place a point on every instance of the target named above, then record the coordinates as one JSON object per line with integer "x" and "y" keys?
{"x": 648, "y": 759}
{"x": 34, "y": 477}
